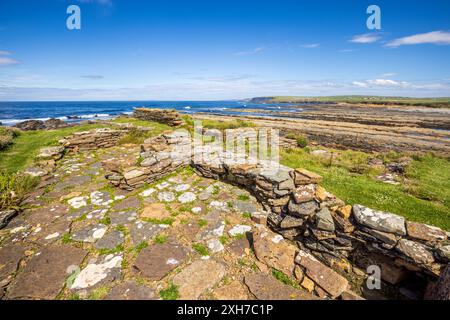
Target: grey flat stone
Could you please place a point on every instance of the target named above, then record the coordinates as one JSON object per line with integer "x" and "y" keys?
{"x": 110, "y": 240}
{"x": 379, "y": 220}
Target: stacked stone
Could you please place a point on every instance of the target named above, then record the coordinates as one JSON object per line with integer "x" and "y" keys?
{"x": 167, "y": 116}
{"x": 93, "y": 139}
{"x": 159, "y": 156}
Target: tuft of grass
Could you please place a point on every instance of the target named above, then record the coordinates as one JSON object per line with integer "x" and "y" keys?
{"x": 301, "y": 140}
{"x": 161, "y": 238}
{"x": 200, "y": 249}
{"x": 66, "y": 238}
{"x": 117, "y": 249}
{"x": 202, "y": 223}
{"x": 247, "y": 215}
{"x": 7, "y": 135}
{"x": 13, "y": 188}
{"x": 280, "y": 276}
{"x": 170, "y": 293}
{"x": 244, "y": 197}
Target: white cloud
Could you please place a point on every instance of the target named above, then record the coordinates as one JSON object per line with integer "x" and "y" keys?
{"x": 434, "y": 37}
{"x": 366, "y": 38}
{"x": 4, "y": 53}
{"x": 6, "y": 61}
{"x": 254, "y": 51}
{"x": 388, "y": 75}
{"x": 346, "y": 50}
{"x": 310, "y": 45}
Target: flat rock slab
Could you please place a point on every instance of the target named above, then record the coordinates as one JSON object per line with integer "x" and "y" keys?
{"x": 100, "y": 198}
{"x": 144, "y": 231}
{"x": 266, "y": 287}
{"x": 10, "y": 257}
{"x": 379, "y": 220}
{"x": 122, "y": 217}
{"x": 155, "y": 211}
{"x": 131, "y": 203}
{"x": 233, "y": 291}
{"x": 198, "y": 277}
{"x": 110, "y": 240}
{"x": 418, "y": 252}
{"x": 46, "y": 215}
{"x": 90, "y": 233}
{"x": 425, "y": 232}
{"x": 52, "y": 232}
{"x": 325, "y": 277}
{"x": 245, "y": 206}
{"x": 239, "y": 246}
{"x": 99, "y": 271}
{"x": 130, "y": 290}
{"x": 44, "y": 276}
{"x": 156, "y": 261}
{"x": 273, "y": 250}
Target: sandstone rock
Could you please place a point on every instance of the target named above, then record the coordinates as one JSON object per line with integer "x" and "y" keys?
{"x": 43, "y": 277}
{"x": 324, "y": 220}
{"x": 10, "y": 257}
{"x": 345, "y": 211}
{"x": 53, "y": 123}
{"x": 266, "y": 287}
{"x": 166, "y": 116}
{"x": 166, "y": 196}
{"x": 304, "y": 193}
{"x": 303, "y": 210}
{"x": 127, "y": 204}
{"x": 155, "y": 211}
{"x": 308, "y": 284}
{"x": 130, "y": 290}
{"x": 78, "y": 202}
{"x": 214, "y": 245}
{"x": 99, "y": 271}
{"x": 110, "y": 241}
{"x": 343, "y": 224}
{"x": 187, "y": 197}
{"x": 260, "y": 217}
{"x": 122, "y": 217}
{"x": 50, "y": 153}
{"x": 239, "y": 246}
{"x": 198, "y": 277}
{"x": 90, "y": 233}
{"x": 143, "y": 231}
{"x": 303, "y": 176}
{"x": 233, "y": 291}
{"x": 156, "y": 261}
{"x": 424, "y": 232}
{"x": 378, "y": 220}
{"x": 274, "y": 251}
{"x": 321, "y": 194}
{"x": 291, "y": 222}
{"x": 416, "y": 251}
{"x": 326, "y": 278}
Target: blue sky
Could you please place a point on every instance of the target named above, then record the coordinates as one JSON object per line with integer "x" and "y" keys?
{"x": 210, "y": 50}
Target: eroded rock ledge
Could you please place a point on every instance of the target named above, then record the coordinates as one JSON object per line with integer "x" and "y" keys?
{"x": 166, "y": 116}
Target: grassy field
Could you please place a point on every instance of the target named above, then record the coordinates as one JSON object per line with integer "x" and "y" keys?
{"x": 25, "y": 146}
{"x": 423, "y": 197}
{"x": 426, "y": 102}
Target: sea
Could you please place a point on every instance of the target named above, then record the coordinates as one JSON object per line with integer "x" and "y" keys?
{"x": 75, "y": 111}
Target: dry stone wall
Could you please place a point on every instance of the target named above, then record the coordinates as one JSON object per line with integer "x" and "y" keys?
{"x": 93, "y": 139}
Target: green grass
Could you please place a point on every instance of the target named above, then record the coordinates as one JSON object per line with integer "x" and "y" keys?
{"x": 202, "y": 223}
{"x": 200, "y": 249}
{"x": 13, "y": 187}
{"x": 170, "y": 293}
{"x": 302, "y": 141}
{"x": 167, "y": 221}
{"x": 280, "y": 276}
{"x": 161, "y": 239}
{"x": 26, "y": 146}
{"x": 244, "y": 197}
{"x": 349, "y": 178}
{"x": 217, "y": 124}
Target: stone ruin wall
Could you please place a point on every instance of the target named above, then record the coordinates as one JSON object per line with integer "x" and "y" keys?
{"x": 334, "y": 242}
{"x": 336, "y": 239}
{"x": 167, "y": 116}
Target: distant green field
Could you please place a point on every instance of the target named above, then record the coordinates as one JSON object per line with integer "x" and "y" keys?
{"x": 426, "y": 102}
